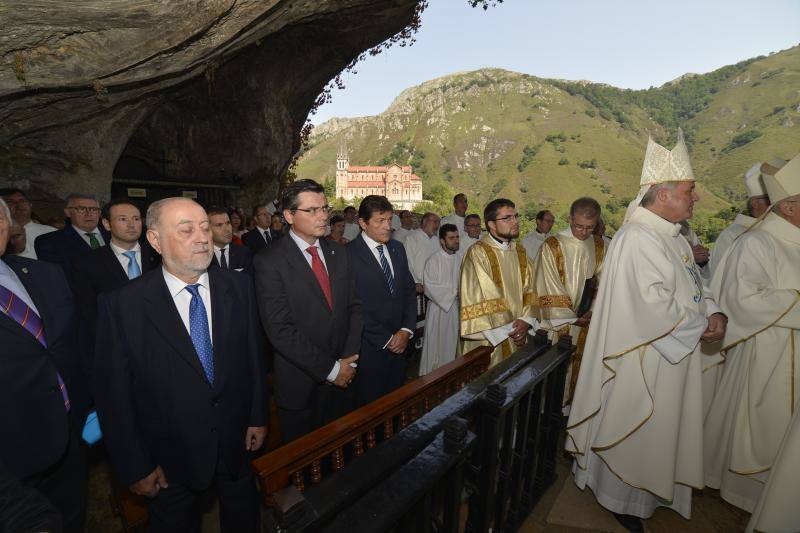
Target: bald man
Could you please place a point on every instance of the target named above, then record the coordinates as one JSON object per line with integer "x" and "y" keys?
{"x": 181, "y": 384}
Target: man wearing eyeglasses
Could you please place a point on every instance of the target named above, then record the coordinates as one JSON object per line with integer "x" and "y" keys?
{"x": 305, "y": 287}
{"x": 496, "y": 286}
{"x": 80, "y": 236}
{"x": 567, "y": 269}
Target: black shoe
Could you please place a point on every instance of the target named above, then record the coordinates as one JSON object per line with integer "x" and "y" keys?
{"x": 629, "y": 522}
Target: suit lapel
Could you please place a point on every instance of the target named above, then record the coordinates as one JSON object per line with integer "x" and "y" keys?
{"x": 35, "y": 291}
{"x": 149, "y": 259}
{"x": 373, "y": 264}
{"x": 167, "y": 321}
{"x": 112, "y": 264}
{"x": 221, "y": 306}
{"x": 78, "y": 242}
{"x": 298, "y": 263}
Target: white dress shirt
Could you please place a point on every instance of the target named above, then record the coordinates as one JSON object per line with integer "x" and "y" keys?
{"x": 373, "y": 246}
{"x": 33, "y": 230}
{"x": 88, "y": 241}
{"x": 303, "y": 245}
{"x": 9, "y": 280}
{"x": 123, "y": 260}
{"x": 183, "y": 298}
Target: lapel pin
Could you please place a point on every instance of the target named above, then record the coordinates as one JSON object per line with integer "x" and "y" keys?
{"x": 333, "y": 252}
{"x": 24, "y": 270}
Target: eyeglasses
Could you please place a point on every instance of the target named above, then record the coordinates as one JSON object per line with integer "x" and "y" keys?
{"x": 472, "y": 225}
{"x": 583, "y": 228}
{"x": 314, "y": 211}
{"x": 507, "y": 218}
{"x": 83, "y": 210}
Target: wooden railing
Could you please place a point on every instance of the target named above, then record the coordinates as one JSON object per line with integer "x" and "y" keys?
{"x": 414, "y": 481}
{"x": 304, "y": 461}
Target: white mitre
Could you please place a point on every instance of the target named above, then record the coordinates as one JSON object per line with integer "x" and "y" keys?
{"x": 660, "y": 166}
{"x": 753, "y": 182}
{"x": 783, "y": 183}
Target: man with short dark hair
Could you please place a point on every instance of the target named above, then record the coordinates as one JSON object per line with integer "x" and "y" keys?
{"x": 109, "y": 267}
{"x": 460, "y": 205}
{"x": 81, "y": 235}
{"x": 21, "y": 208}
{"x": 440, "y": 342}
{"x": 227, "y": 254}
{"x": 496, "y": 286}
{"x": 533, "y": 240}
{"x": 472, "y": 231}
{"x": 351, "y": 227}
{"x": 387, "y": 291}
{"x": 311, "y": 313}
{"x": 180, "y": 387}
{"x": 260, "y": 236}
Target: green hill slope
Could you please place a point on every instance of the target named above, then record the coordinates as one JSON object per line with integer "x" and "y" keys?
{"x": 541, "y": 142}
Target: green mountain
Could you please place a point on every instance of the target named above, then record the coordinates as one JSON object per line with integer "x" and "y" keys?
{"x": 544, "y": 142}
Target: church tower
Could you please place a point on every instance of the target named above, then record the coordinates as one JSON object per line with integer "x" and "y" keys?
{"x": 342, "y": 162}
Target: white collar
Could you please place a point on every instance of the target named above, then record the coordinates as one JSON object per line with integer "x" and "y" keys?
{"x": 176, "y": 285}
{"x": 83, "y": 233}
{"x": 372, "y": 244}
{"x": 303, "y": 245}
{"x": 119, "y": 251}
{"x": 218, "y": 249}
{"x": 662, "y": 225}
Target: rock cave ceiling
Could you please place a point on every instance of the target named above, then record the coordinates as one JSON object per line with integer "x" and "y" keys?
{"x": 212, "y": 90}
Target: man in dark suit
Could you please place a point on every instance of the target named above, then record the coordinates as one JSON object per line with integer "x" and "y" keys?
{"x": 388, "y": 293}
{"x": 262, "y": 235}
{"x": 227, "y": 254}
{"x": 312, "y": 316}
{"x": 80, "y": 236}
{"x": 109, "y": 267}
{"x": 43, "y": 399}
{"x": 180, "y": 384}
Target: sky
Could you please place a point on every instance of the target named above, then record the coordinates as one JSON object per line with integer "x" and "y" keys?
{"x": 626, "y": 43}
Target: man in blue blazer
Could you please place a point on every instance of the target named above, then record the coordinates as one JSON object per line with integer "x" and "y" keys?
{"x": 388, "y": 294}
{"x": 43, "y": 397}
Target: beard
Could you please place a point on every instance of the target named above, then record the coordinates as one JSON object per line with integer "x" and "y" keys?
{"x": 510, "y": 234}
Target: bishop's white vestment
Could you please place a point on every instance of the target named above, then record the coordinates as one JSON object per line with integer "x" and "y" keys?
{"x": 635, "y": 428}
{"x": 440, "y": 341}
{"x": 760, "y": 384}
{"x": 725, "y": 240}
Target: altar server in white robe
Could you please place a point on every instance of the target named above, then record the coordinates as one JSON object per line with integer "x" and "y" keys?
{"x": 420, "y": 245}
{"x": 441, "y": 277}
{"x": 759, "y": 290}
{"x": 757, "y": 204}
{"x": 635, "y": 428}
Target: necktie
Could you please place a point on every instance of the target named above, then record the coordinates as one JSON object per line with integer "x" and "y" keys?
{"x": 133, "y": 267}
{"x": 17, "y": 309}
{"x": 93, "y": 242}
{"x": 198, "y": 330}
{"x": 223, "y": 262}
{"x": 268, "y": 237}
{"x": 387, "y": 272}
{"x": 321, "y": 274}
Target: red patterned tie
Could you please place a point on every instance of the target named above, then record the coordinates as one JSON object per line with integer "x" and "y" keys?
{"x": 17, "y": 309}
{"x": 321, "y": 274}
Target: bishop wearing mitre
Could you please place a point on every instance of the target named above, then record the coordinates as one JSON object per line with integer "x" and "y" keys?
{"x": 567, "y": 268}
{"x": 757, "y": 204}
{"x": 635, "y": 428}
{"x": 496, "y": 286}
{"x": 759, "y": 290}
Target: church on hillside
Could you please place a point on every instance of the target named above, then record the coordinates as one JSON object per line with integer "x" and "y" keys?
{"x": 397, "y": 183}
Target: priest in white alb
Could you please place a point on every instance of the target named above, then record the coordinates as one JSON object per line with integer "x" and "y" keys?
{"x": 420, "y": 244}
{"x": 440, "y": 278}
{"x": 568, "y": 266}
{"x": 534, "y": 239}
{"x": 496, "y": 286}
{"x": 757, "y": 204}
{"x": 759, "y": 290}
{"x": 460, "y": 204}
{"x": 635, "y": 428}
{"x": 472, "y": 232}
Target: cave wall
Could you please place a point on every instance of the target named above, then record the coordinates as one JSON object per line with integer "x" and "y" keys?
{"x": 212, "y": 90}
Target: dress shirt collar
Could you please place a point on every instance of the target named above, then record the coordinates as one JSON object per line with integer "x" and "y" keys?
{"x": 217, "y": 249}
{"x": 301, "y": 243}
{"x": 82, "y": 233}
{"x": 119, "y": 251}
{"x": 175, "y": 285}
{"x": 262, "y": 230}
{"x": 372, "y": 244}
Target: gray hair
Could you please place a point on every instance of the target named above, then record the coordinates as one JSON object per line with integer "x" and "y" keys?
{"x": 6, "y": 211}
{"x": 80, "y": 196}
{"x": 649, "y": 197}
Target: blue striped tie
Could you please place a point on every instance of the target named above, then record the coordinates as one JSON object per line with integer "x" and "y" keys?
{"x": 199, "y": 331}
{"x": 387, "y": 272}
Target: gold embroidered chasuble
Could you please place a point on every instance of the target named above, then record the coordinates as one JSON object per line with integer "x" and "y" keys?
{"x": 496, "y": 288}
{"x": 759, "y": 389}
{"x": 564, "y": 265}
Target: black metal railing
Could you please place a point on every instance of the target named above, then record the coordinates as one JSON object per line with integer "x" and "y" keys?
{"x": 412, "y": 482}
